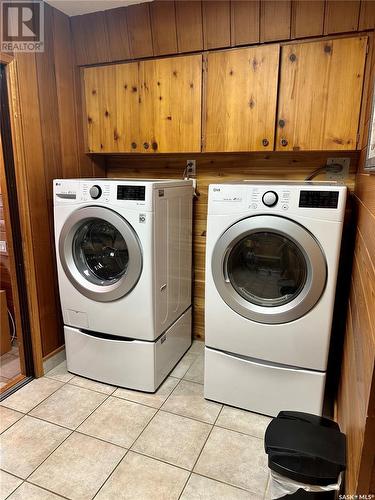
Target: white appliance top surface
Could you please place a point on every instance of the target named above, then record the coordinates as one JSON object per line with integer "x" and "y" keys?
{"x": 121, "y": 180}
{"x": 283, "y": 183}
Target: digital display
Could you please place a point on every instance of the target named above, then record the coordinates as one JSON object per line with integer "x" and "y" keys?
{"x": 133, "y": 193}
{"x": 318, "y": 199}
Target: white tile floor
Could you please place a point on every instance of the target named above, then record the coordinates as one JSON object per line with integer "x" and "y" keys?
{"x": 65, "y": 436}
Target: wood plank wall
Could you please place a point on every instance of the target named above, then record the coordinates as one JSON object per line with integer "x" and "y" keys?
{"x": 355, "y": 408}
{"x": 167, "y": 27}
{"x": 213, "y": 168}
{"x": 51, "y": 145}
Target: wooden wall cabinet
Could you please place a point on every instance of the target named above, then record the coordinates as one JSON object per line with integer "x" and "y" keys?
{"x": 320, "y": 92}
{"x": 241, "y": 96}
{"x": 144, "y": 107}
{"x": 155, "y": 106}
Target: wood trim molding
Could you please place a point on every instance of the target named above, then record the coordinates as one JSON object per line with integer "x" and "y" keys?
{"x": 5, "y": 58}
{"x": 13, "y": 382}
{"x": 20, "y": 168}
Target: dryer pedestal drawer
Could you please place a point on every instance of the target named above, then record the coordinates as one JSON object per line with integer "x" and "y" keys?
{"x": 133, "y": 364}
{"x": 262, "y": 388}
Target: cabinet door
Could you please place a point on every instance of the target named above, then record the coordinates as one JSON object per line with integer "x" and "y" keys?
{"x": 170, "y": 117}
{"x": 241, "y": 99}
{"x": 112, "y": 108}
{"x": 320, "y": 94}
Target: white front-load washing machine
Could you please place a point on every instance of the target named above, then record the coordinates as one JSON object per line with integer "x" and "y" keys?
{"x": 271, "y": 266}
{"x": 124, "y": 269}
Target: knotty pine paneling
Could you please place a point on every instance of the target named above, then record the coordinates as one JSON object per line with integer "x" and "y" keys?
{"x": 355, "y": 404}
{"x": 241, "y": 94}
{"x": 312, "y": 113}
{"x": 213, "y": 168}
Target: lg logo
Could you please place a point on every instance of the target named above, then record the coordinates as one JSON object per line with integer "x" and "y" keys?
{"x": 22, "y": 26}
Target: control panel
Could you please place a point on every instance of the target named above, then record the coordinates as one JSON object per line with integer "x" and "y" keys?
{"x": 132, "y": 193}
{"x": 98, "y": 190}
{"x": 259, "y": 198}
{"x": 287, "y": 199}
{"x": 318, "y": 199}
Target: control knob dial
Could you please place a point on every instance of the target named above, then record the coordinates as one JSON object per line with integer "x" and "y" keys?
{"x": 270, "y": 198}
{"x": 95, "y": 192}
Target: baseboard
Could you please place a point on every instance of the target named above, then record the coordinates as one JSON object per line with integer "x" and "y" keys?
{"x": 53, "y": 359}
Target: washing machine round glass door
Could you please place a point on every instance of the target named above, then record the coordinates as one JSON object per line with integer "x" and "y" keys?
{"x": 100, "y": 253}
{"x": 269, "y": 269}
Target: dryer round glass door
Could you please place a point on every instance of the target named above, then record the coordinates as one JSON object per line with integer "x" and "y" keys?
{"x": 100, "y": 253}
{"x": 269, "y": 269}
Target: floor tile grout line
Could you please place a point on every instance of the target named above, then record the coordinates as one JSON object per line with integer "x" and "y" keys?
{"x": 57, "y": 447}
{"x": 41, "y": 487}
{"x": 186, "y": 416}
{"x": 40, "y": 402}
{"x": 157, "y": 460}
{"x": 11, "y": 425}
{"x": 33, "y": 408}
{"x": 144, "y": 404}
{"x": 223, "y": 482}
{"x": 115, "y": 387}
{"x": 140, "y": 434}
{"x": 12, "y": 474}
{"x": 157, "y": 410}
{"x": 239, "y": 432}
{"x": 200, "y": 453}
{"x": 112, "y": 472}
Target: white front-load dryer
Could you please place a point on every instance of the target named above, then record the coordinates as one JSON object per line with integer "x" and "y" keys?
{"x": 271, "y": 266}
{"x": 124, "y": 268}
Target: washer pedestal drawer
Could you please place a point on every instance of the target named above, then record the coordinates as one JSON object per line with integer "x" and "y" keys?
{"x": 134, "y": 364}
{"x": 261, "y": 387}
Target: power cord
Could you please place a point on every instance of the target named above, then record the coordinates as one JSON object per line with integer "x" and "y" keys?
{"x": 13, "y": 336}
{"x": 335, "y": 168}
{"x": 187, "y": 177}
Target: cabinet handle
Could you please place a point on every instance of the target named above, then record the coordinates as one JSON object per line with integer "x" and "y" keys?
{"x": 265, "y": 142}
{"x": 134, "y": 145}
{"x": 281, "y": 123}
{"x": 154, "y": 146}
{"x": 284, "y": 142}
{"x": 292, "y": 57}
{"x": 146, "y": 145}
